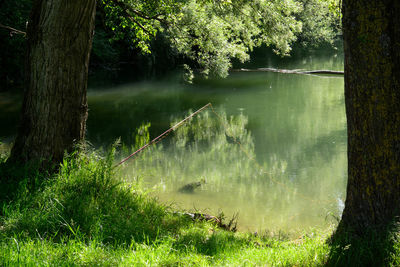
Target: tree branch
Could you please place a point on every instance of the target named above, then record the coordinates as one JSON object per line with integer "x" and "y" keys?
{"x": 12, "y": 30}
{"x": 137, "y": 12}
{"x": 127, "y": 15}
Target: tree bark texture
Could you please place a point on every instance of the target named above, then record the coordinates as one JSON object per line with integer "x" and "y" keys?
{"x": 54, "y": 111}
{"x": 371, "y": 31}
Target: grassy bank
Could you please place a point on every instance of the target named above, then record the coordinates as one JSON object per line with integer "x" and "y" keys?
{"x": 84, "y": 215}
{"x": 89, "y": 213}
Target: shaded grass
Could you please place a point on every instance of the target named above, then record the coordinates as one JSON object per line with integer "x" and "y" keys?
{"x": 372, "y": 248}
{"x": 85, "y": 200}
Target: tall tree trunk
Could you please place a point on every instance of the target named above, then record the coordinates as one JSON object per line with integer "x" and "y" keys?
{"x": 54, "y": 112}
{"x": 372, "y": 91}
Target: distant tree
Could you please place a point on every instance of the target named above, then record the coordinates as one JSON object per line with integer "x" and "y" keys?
{"x": 372, "y": 94}
{"x": 60, "y": 35}
{"x": 321, "y": 22}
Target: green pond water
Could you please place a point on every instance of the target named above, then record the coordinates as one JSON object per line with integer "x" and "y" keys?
{"x": 289, "y": 171}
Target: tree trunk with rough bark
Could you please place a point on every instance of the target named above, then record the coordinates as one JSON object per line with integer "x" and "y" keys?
{"x": 54, "y": 113}
{"x": 372, "y": 94}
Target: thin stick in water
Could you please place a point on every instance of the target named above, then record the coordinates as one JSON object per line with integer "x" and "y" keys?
{"x": 163, "y": 134}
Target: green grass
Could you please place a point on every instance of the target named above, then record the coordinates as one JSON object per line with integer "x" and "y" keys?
{"x": 83, "y": 215}
{"x": 165, "y": 252}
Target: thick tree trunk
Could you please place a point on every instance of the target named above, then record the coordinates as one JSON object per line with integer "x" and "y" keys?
{"x": 54, "y": 112}
{"x": 372, "y": 92}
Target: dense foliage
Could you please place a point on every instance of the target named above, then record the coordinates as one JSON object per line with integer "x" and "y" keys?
{"x": 205, "y": 34}
{"x": 321, "y": 22}
{"x": 209, "y": 33}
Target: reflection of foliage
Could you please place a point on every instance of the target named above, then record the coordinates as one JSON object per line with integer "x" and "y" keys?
{"x": 4, "y": 151}
{"x": 142, "y": 136}
{"x": 201, "y": 149}
{"x": 207, "y": 147}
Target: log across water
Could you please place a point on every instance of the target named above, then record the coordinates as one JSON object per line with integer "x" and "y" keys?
{"x": 315, "y": 72}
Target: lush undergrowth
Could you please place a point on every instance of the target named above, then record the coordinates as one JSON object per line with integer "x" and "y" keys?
{"x": 84, "y": 215}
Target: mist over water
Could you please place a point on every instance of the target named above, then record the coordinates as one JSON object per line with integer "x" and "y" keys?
{"x": 290, "y": 172}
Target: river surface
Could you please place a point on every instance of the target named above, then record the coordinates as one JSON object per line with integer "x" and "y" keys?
{"x": 289, "y": 170}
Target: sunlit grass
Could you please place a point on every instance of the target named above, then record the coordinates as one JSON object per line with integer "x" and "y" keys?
{"x": 233, "y": 251}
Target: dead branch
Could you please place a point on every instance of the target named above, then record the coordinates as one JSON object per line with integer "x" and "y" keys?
{"x": 12, "y": 30}
{"x": 217, "y": 220}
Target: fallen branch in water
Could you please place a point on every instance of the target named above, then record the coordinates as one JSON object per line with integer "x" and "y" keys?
{"x": 158, "y": 138}
{"x": 333, "y": 72}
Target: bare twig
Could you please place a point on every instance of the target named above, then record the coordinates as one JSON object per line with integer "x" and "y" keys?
{"x": 12, "y": 30}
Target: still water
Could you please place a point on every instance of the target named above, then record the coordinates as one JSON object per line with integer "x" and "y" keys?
{"x": 289, "y": 172}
